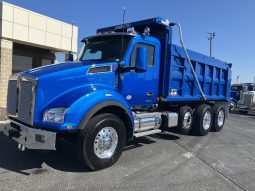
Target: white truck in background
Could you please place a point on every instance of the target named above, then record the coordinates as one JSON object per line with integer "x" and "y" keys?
{"x": 247, "y": 102}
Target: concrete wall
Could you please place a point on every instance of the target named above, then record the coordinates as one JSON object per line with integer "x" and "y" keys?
{"x": 39, "y": 35}
{"x": 6, "y": 48}
{"x": 31, "y": 28}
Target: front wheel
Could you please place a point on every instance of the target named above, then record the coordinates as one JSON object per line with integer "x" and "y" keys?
{"x": 232, "y": 106}
{"x": 101, "y": 143}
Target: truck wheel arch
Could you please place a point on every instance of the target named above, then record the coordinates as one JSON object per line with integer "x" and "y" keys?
{"x": 112, "y": 107}
{"x": 234, "y": 100}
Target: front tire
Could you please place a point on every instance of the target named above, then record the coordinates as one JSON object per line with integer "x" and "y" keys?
{"x": 101, "y": 143}
{"x": 203, "y": 119}
{"x": 232, "y": 106}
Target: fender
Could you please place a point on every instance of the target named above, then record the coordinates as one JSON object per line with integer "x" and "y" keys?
{"x": 232, "y": 99}
{"x": 85, "y": 107}
{"x": 65, "y": 99}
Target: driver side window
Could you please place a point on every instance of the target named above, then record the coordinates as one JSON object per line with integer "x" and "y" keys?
{"x": 150, "y": 54}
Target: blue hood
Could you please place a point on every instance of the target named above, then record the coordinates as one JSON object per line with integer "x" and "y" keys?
{"x": 56, "y": 68}
{"x": 60, "y": 85}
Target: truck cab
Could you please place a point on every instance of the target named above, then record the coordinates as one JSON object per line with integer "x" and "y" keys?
{"x": 246, "y": 103}
{"x": 236, "y": 94}
{"x": 129, "y": 81}
{"x": 139, "y": 86}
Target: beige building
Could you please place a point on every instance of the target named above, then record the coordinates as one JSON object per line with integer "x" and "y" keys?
{"x": 29, "y": 40}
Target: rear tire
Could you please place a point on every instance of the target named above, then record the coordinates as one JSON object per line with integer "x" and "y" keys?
{"x": 185, "y": 120}
{"x": 101, "y": 142}
{"x": 203, "y": 119}
{"x": 219, "y": 115}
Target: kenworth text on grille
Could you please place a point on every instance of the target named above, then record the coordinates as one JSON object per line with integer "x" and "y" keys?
{"x": 129, "y": 81}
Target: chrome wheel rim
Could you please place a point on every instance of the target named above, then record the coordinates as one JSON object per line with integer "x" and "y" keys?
{"x": 187, "y": 120}
{"x": 207, "y": 120}
{"x": 106, "y": 142}
{"x": 221, "y": 117}
{"x": 232, "y": 106}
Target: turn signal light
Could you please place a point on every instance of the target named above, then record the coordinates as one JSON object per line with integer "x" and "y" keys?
{"x": 69, "y": 127}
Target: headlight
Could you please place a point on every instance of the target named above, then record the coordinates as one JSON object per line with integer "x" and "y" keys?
{"x": 55, "y": 115}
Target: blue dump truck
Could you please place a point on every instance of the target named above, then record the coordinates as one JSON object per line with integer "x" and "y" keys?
{"x": 129, "y": 81}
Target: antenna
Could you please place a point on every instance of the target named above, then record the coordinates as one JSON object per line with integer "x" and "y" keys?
{"x": 124, "y": 15}
{"x": 122, "y": 48}
{"x": 123, "y": 22}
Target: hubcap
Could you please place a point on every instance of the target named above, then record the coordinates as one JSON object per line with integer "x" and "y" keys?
{"x": 232, "y": 106}
{"x": 207, "y": 120}
{"x": 187, "y": 120}
{"x": 105, "y": 142}
{"x": 220, "y": 119}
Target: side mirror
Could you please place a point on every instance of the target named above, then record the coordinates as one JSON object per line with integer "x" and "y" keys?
{"x": 69, "y": 57}
{"x": 141, "y": 59}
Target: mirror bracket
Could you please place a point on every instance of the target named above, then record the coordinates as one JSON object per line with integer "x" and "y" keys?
{"x": 124, "y": 68}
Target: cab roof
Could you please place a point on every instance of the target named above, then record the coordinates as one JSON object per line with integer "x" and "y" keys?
{"x": 156, "y": 23}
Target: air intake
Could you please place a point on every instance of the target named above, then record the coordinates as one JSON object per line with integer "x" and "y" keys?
{"x": 99, "y": 69}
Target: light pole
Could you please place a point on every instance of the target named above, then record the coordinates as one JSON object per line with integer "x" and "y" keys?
{"x": 212, "y": 36}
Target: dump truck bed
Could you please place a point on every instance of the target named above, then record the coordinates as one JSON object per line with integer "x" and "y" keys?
{"x": 214, "y": 77}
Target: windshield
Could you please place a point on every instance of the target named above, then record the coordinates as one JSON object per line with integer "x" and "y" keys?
{"x": 245, "y": 87}
{"x": 250, "y": 87}
{"x": 236, "y": 88}
{"x": 105, "y": 48}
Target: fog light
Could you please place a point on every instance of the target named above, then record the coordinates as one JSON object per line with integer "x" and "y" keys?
{"x": 69, "y": 127}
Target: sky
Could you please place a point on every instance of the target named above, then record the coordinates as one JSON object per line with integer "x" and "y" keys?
{"x": 232, "y": 20}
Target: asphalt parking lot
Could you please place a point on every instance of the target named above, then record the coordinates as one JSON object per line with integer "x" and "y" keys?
{"x": 169, "y": 161}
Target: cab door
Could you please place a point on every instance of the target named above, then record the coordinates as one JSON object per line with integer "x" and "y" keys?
{"x": 141, "y": 89}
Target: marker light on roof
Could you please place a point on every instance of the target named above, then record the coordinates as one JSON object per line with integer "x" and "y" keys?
{"x": 147, "y": 31}
{"x": 165, "y": 22}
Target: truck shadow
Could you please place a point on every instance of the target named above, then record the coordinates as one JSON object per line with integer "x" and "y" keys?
{"x": 174, "y": 130}
{"x": 141, "y": 141}
{"x": 32, "y": 162}
{"x": 250, "y": 114}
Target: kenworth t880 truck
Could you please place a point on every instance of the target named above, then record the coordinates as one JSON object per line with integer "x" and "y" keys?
{"x": 129, "y": 81}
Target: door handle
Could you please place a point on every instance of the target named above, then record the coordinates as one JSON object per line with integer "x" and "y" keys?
{"x": 149, "y": 94}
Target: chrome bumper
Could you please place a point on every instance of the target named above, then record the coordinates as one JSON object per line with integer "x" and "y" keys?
{"x": 246, "y": 107}
{"x": 28, "y": 137}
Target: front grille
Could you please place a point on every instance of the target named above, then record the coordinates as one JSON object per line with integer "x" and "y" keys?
{"x": 25, "y": 99}
{"x": 12, "y": 97}
{"x": 247, "y": 99}
{"x": 20, "y": 99}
